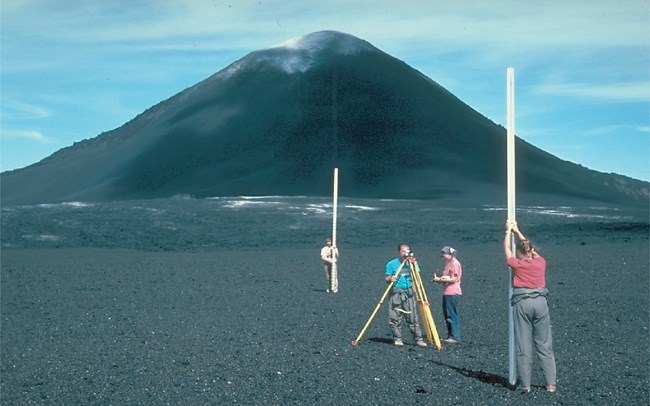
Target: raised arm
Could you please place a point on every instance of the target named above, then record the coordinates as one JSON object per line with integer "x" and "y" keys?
{"x": 515, "y": 229}
{"x": 511, "y": 227}
{"x": 507, "y": 239}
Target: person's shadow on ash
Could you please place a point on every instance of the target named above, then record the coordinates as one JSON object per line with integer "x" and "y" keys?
{"x": 485, "y": 377}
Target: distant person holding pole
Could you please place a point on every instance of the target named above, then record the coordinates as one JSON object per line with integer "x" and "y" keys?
{"x": 329, "y": 254}
{"x": 402, "y": 303}
{"x": 532, "y": 319}
{"x": 451, "y": 293}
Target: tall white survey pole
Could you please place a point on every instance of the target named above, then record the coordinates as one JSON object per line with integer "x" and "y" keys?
{"x": 334, "y": 282}
{"x": 512, "y": 376}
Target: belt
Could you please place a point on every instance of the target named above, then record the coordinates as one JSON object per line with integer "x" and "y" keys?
{"x": 520, "y": 294}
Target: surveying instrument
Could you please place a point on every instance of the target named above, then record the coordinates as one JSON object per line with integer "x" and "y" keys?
{"x": 420, "y": 297}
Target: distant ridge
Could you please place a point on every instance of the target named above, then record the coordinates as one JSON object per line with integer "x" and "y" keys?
{"x": 278, "y": 120}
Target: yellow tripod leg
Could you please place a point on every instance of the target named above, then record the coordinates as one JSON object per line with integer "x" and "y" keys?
{"x": 372, "y": 316}
{"x": 427, "y": 317}
{"x": 432, "y": 328}
{"x": 420, "y": 299}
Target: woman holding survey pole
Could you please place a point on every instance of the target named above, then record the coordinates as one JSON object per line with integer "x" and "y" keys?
{"x": 532, "y": 320}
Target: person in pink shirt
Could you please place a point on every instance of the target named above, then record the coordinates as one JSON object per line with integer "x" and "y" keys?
{"x": 451, "y": 293}
{"x": 531, "y": 316}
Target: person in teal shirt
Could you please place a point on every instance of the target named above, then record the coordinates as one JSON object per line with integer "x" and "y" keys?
{"x": 401, "y": 304}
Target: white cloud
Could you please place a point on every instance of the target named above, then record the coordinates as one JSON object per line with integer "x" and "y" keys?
{"x": 25, "y": 134}
{"x": 249, "y": 23}
{"x": 18, "y": 110}
{"x": 613, "y": 92}
{"x": 609, "y": 130}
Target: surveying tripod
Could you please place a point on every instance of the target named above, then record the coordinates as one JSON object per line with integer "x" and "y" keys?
{"x": 420, "y": 297}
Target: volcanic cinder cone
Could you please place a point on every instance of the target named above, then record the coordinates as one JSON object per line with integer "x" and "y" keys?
{"x": 278, "y": 120}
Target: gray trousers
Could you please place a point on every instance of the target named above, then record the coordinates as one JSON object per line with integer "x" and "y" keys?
{"x": 402, "y": 305}
{"x": 332, "y": 277}
{"x": 533, "y": 335}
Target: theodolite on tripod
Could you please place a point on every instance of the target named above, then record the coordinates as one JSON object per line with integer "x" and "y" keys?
{"x": 420, "y": 296}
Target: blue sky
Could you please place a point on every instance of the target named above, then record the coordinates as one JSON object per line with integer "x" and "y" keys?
{"x": 73, "y": 69}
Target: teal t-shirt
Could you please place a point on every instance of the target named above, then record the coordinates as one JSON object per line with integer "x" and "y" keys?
{"x": 404, "y": 279}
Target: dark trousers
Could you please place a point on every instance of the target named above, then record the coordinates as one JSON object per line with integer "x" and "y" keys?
{"x": 450, "y": 311}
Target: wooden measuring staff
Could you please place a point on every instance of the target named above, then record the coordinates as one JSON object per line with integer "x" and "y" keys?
{"x": 334, "y": 277}
{"x": 510, "y": 88}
